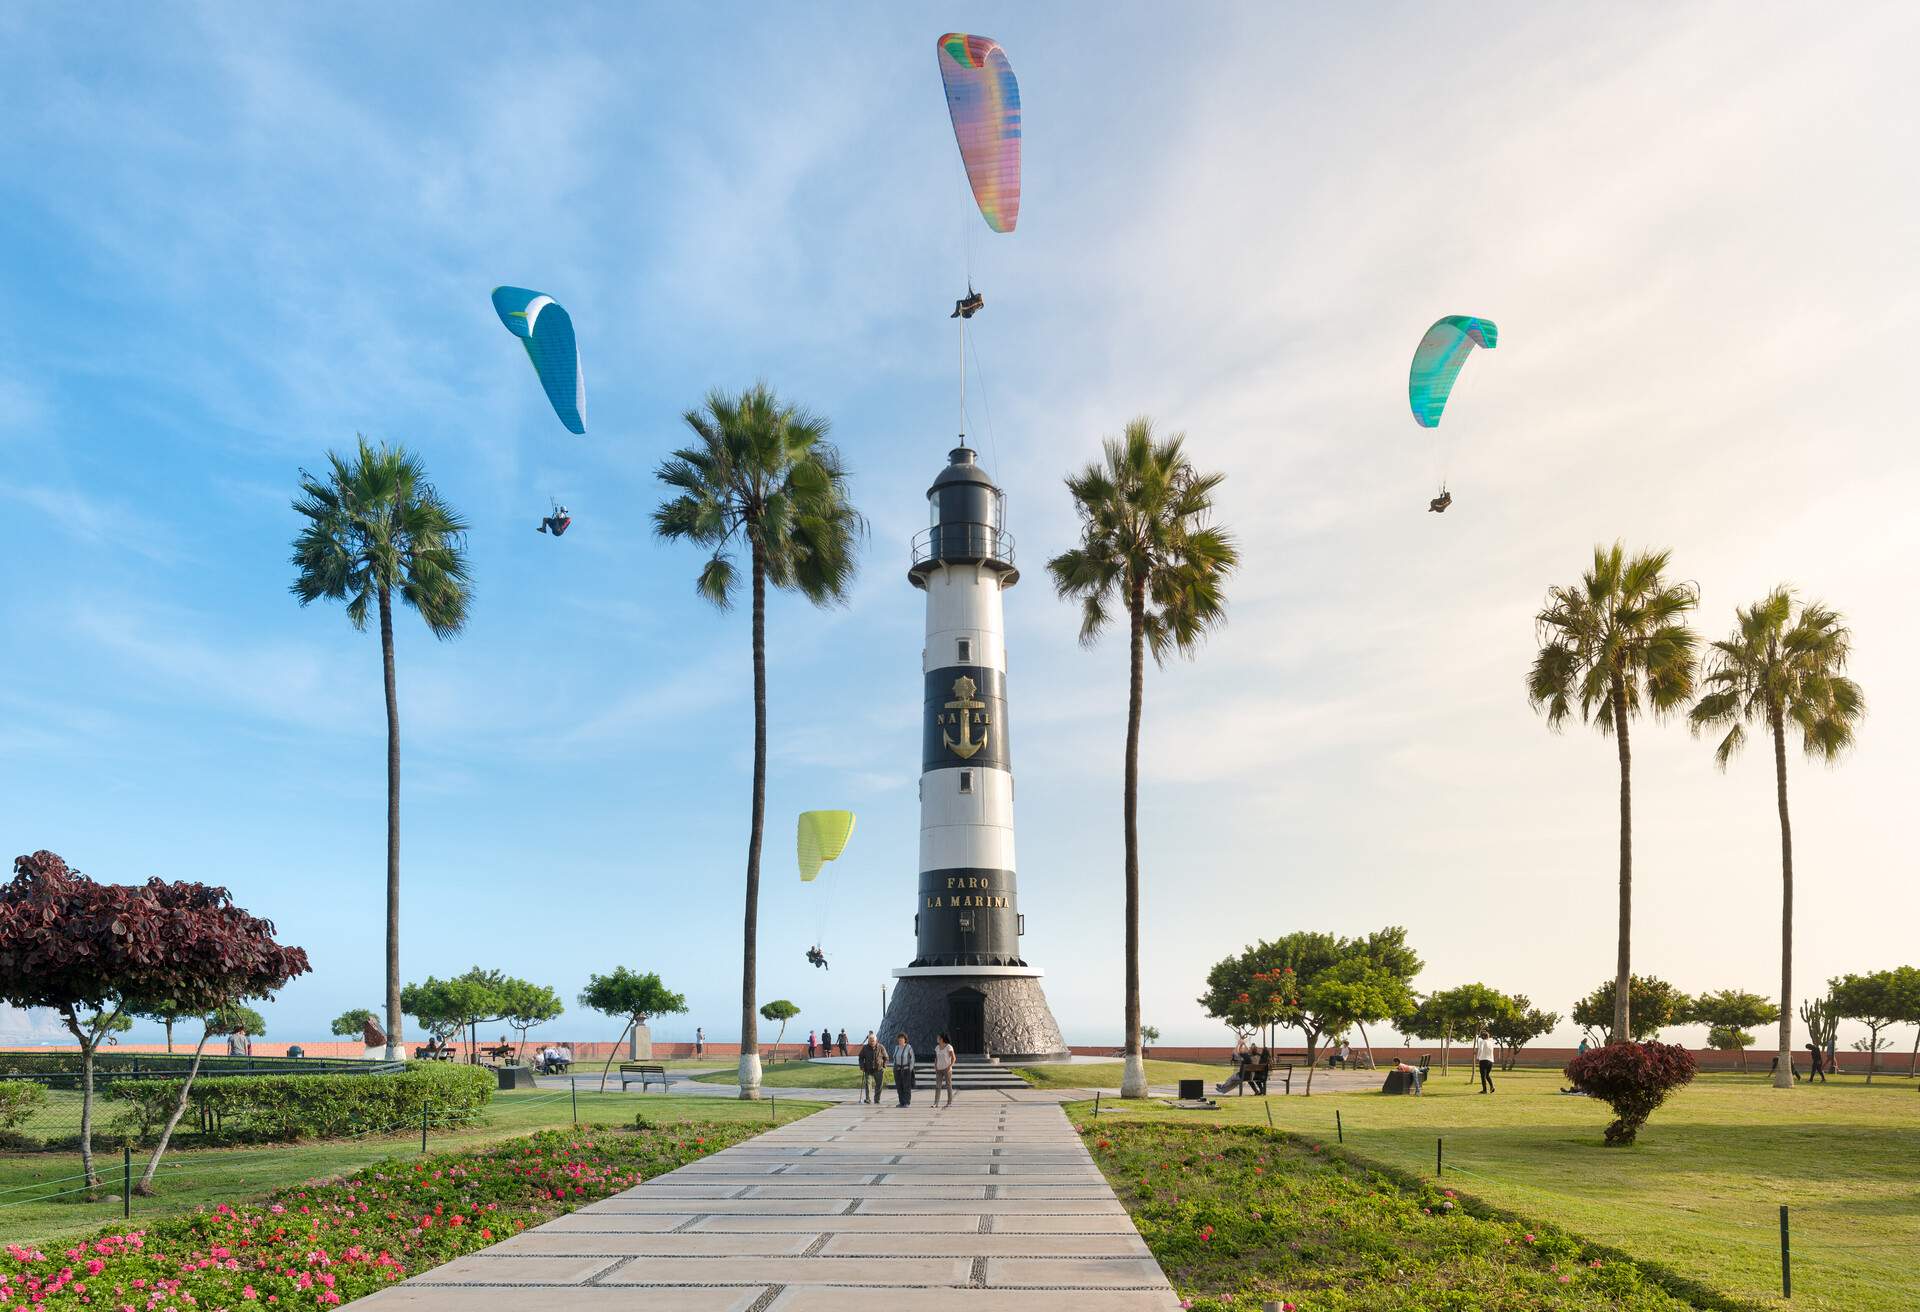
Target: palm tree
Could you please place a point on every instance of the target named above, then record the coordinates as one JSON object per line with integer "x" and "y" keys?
{"x": 1146, "y": 544}
{"x": 1613, "y": 643}
{"x": 376, "y": 527}
{"x": 762, "y": 474}
{"x": 1778, "y": 667}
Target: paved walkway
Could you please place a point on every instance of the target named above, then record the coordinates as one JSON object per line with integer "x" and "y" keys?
{"x": 991, "y": 1205}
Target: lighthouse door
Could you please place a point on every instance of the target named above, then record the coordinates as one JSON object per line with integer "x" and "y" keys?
{"x": 967, "y": 1020}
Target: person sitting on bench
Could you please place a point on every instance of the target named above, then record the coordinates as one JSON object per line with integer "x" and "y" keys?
{"x": 1262, "y": 1069}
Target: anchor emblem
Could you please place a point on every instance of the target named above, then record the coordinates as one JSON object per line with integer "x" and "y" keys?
{"x": 965, "y": 703}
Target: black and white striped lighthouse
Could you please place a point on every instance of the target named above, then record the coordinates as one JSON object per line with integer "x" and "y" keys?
{"x": 969, "y": 977}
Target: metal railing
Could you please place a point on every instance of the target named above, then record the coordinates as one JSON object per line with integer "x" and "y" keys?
{"x": 962, "y": 542}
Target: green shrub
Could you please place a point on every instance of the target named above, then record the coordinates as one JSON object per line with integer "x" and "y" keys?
{"x": 288, "y": 1108}
{"x": 19, "y": 1099}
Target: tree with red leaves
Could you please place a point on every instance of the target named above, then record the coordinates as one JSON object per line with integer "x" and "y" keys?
{"x": 96, "y": 953}
{"x": 1633, "y": 1079}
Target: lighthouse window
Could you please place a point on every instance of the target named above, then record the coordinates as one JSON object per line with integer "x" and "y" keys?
{"x": 966, "y": 781}
{"x": 966, "y": 651}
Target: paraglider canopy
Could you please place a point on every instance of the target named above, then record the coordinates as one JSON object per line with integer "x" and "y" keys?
{"x": 983, "y": 99}
{"x": 546, "y": 330}
{"x": 823, "y": 837}
{"x": 1437, "y": 361}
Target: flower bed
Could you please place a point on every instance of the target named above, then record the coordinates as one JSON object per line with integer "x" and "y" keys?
{"x": 330, "y": 1242}
{"x": 1239, "y": 1216}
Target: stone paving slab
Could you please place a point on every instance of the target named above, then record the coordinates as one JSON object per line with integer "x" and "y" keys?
{"x": 991, "y": 1205}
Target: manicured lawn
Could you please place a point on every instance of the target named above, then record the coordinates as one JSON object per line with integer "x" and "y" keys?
{"x": 1240, "y": 1215}
{"x": 1106, "y": 1075}
{"x": 801, "y": 1074}
{"x": 203, "y": 1177}
{"x": 1701, "y": 1191}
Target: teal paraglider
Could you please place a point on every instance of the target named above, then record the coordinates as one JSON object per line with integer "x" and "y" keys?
{"x": 546, "y": 330}
{"x": 1437, "y": 361}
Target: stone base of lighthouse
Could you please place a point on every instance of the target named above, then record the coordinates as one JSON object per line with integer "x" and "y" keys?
{"x": 999, "y": 1011}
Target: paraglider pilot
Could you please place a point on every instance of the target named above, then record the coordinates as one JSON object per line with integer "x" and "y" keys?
{"x": 557, "y": 522}
{"x": 969, "y": 305}
{"x": 818, "y": 958}
{"x": 1440, "y": 503}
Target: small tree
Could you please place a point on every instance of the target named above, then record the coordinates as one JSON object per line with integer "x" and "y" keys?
{"x": 1727, "y": 1014}
{"x": 1518, "y": 1026}
{"x": 527, "y": 1005}
{"x": 1149, "y": 1035}
{"x": 1655, "y": 1004}
{"x": 1357, "y": 991}
{"x": 352, "y": 1023}
{"x": 1451, "y": 1013}
{"x": 95, "y": 952}
{"x": 1725, "y": 1038}
{"x": 783, "y": 1011}
{"x": 445, "y": 1007}
{"x": 1633, "y": 1079}
{"x": 231, "y": 1018}
{"x": 1873, "y": 1000}
{"x": 633, "y": 997}
{"x": 168, "y": 1014}
{"x": 1263, "y": 986}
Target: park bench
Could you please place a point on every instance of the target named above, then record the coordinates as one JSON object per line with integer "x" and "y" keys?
{"x": 645, "y": 1072}
{"x": 1399, "y": 1081}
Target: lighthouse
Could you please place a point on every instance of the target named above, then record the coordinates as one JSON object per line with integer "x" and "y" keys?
{"x": 969, "y": 977}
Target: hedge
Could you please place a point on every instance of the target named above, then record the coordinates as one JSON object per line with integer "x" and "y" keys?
{"x": 288, "y": 1108}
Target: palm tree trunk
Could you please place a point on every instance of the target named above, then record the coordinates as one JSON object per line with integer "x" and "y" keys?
{"x": 1133, "y": 1082}
{"x": 1623, "y": 967}
{"x": 749, "y": 1019}
{"x": 145, "y": 1187}
{"x": 1783, "y": 1075}
{"x": 396, "y": 1047}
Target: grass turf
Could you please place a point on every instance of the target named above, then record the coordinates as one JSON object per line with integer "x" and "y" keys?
{"x": 800, "y": 1074}
{"x": 1699, "y": 1194}
{"x": 203, "y": 1177}
{"x": 1106, "y": 1075}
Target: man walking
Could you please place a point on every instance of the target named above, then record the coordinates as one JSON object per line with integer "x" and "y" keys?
{"x": 843, "y": 1040}
{"x": 942, "y": 1070}
{"x": 903, "y": 1069}
{"x": 873, "y": 1068}
{"x": 1483, "y": 1054}
{"x": 699, "y": 1042}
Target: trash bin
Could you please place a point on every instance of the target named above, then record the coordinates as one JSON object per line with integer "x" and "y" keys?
{"x": 1192, "y": 1090}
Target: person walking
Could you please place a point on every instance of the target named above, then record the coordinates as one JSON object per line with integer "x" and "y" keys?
{"x": 1483, "y": 1054}
{"x": 873, "y": 1068}
{"x": 843, "y": 1040}
{"x": 903, "y": 1069}
{"x": 1819, "y": 1072}
{"x": 699, "y": 1042}
{"x": 809, "y": 1045}
{"x": 942, "y": 1070}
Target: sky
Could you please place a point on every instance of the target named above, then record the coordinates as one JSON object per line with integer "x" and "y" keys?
{"x": 232, "y": 241}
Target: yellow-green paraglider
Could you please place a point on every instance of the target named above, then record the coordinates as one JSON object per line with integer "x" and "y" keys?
{"x": 822, "y": 838}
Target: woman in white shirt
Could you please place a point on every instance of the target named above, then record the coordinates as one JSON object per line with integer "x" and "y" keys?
{"x": 942, "y": 1070}
{"x": 1483, "y": 1053}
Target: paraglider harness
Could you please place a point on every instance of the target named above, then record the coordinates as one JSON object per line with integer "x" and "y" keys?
{"x": 969, "y": 305}
{"x": 1440, "y": 503}
{"x": 557, "y": 522}
{"x": 818, "y": 958}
